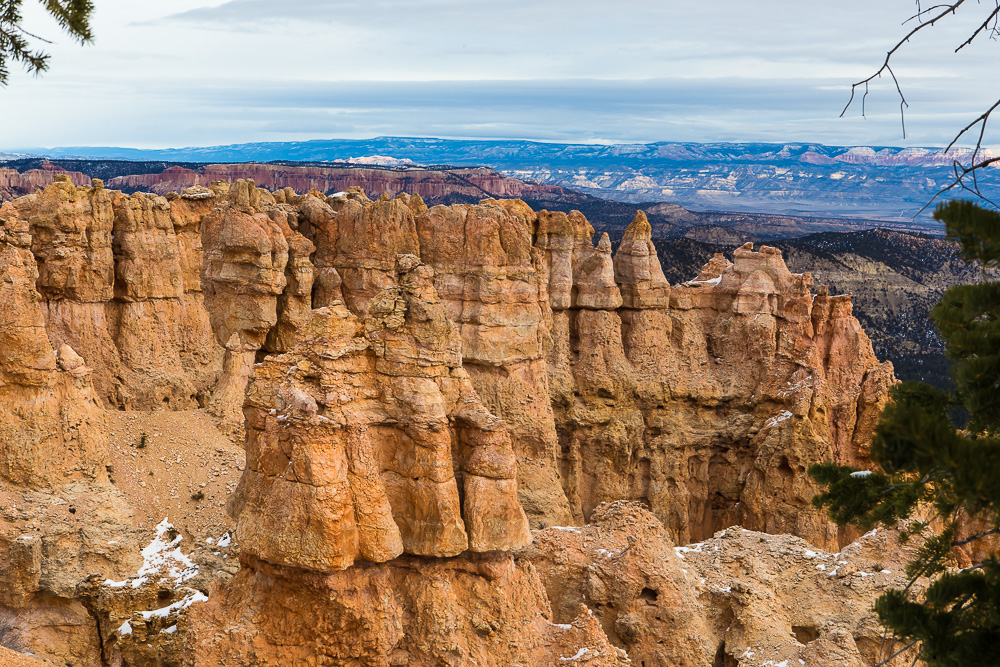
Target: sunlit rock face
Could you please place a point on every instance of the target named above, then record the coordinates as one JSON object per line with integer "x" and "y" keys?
{"x": 707, "y": 399}
{"x": 710, "y": 399}
{"x": 416, "y": 386}
{"x": 353, "y": 435}
{"x": 118, "y": 282}
{"x": 60, "y": 518}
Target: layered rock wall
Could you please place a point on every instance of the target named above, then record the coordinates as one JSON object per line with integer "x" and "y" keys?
{"x": 710, "y": 399}
{"x": 707, "y": 400}
{"x": 115, "y": 281}
{"x": 60, "y": 518}
{"x": 416, "y": 385}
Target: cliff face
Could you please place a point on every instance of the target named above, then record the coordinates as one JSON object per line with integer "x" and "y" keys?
{"x": 455, "y": 184}
{"x": 118, "y": 282}
{"x": 708, "y": 400}
{"x": 15, "y": 184}
{"x": 416, "y": 385}
{"x": 894, "y": 278}
{"x": 60, "y": 518}
{"x": 711, "y": 409}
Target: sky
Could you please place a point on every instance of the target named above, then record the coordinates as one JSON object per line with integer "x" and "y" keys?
{"x": 180, "y": 73}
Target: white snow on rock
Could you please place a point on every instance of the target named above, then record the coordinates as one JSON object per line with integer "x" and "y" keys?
{"x": 185, "y": 602}
{"x": 579, "y": 654}
{"x": 163, "y": 560}
{"x": 161, "y": 557}
{"x": 691, "y": 548}
{"x": 774, "y": 421}
{"x": 712, "y": 281}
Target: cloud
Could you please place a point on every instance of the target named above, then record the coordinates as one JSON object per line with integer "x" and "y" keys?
{"x": 208, "y": 72}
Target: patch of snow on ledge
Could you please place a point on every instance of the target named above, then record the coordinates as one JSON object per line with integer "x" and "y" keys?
{"x": 692, "y": 548}
{"x": 579, "y": 654}
{"x": 774, "y": 421}
{"x": 162, "y": 556}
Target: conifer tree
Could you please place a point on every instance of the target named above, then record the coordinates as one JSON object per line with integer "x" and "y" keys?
{"x": 950, "y": 474}
{"x": 17, "y": 45}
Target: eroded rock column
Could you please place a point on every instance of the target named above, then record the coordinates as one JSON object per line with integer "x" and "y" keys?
{"x": 353, "y": 439}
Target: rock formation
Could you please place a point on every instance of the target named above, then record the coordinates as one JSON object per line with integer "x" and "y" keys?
{"x": 486, "y": 610}
{"x": 458, "y": 184}
{"x": 351, "y": 438}
{"x": 14, "y": 184}
{"x": 60, "y": 519}
{"x": 114, "y": 275}
{"x": 738, "y": 598}
{"x": 711, "y": 409}
{"x": 415, "y": 386}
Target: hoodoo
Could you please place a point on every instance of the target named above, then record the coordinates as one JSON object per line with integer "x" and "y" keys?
{"x": 416, "y": 389}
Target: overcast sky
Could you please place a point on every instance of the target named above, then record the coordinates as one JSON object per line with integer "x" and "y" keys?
{"x": 203, "y": 72}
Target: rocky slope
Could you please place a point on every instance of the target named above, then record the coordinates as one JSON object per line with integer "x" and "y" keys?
{"x": 737, "y": 598}
{"x": 416, "y": 386}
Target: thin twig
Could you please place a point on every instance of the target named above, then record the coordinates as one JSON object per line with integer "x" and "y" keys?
{"x": 984, "y": 26}
{"x": 902, "y": 650}
{"x": 948, "y": 9}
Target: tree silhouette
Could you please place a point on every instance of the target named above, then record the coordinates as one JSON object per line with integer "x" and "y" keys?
{"x": 17, "y": 45}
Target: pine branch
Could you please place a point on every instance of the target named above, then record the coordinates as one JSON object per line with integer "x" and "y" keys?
{"x": 978, "y": 536}
{"x": 16, "y": 42}
{"x": 902, "y": 650}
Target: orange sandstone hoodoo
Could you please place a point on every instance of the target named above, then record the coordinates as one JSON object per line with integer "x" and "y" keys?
{"x": 415, "y": 386}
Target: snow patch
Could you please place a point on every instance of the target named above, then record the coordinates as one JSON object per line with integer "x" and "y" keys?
{"x": 183, "y": 603}
{"x": 774, "y": 421}
{"x": 711, "y": 281}
{"x": 162, "y": 556}
{"x": 692, "y": 548}
{"x": 579, "y": 654}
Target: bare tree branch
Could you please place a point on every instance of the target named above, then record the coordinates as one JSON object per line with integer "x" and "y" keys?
{"x": 966, "y": 176}
{"x": 945, "y": 10}
{"x": 991, "y": 18}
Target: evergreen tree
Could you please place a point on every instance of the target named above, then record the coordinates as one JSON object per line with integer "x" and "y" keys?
{"x": 928, "y": 463}
{"x": 17, "y": 44}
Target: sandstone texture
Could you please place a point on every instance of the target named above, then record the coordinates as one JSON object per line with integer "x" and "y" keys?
{"x": 482, "y": 610}
{"x": 711, "y": 408}
{"x": 414, "y": 388}
{"x": 60, "y": 519}
{"x": 738, "y": 598}
{"x": 115, "y": 284}
{"x": 352, "y": 438}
